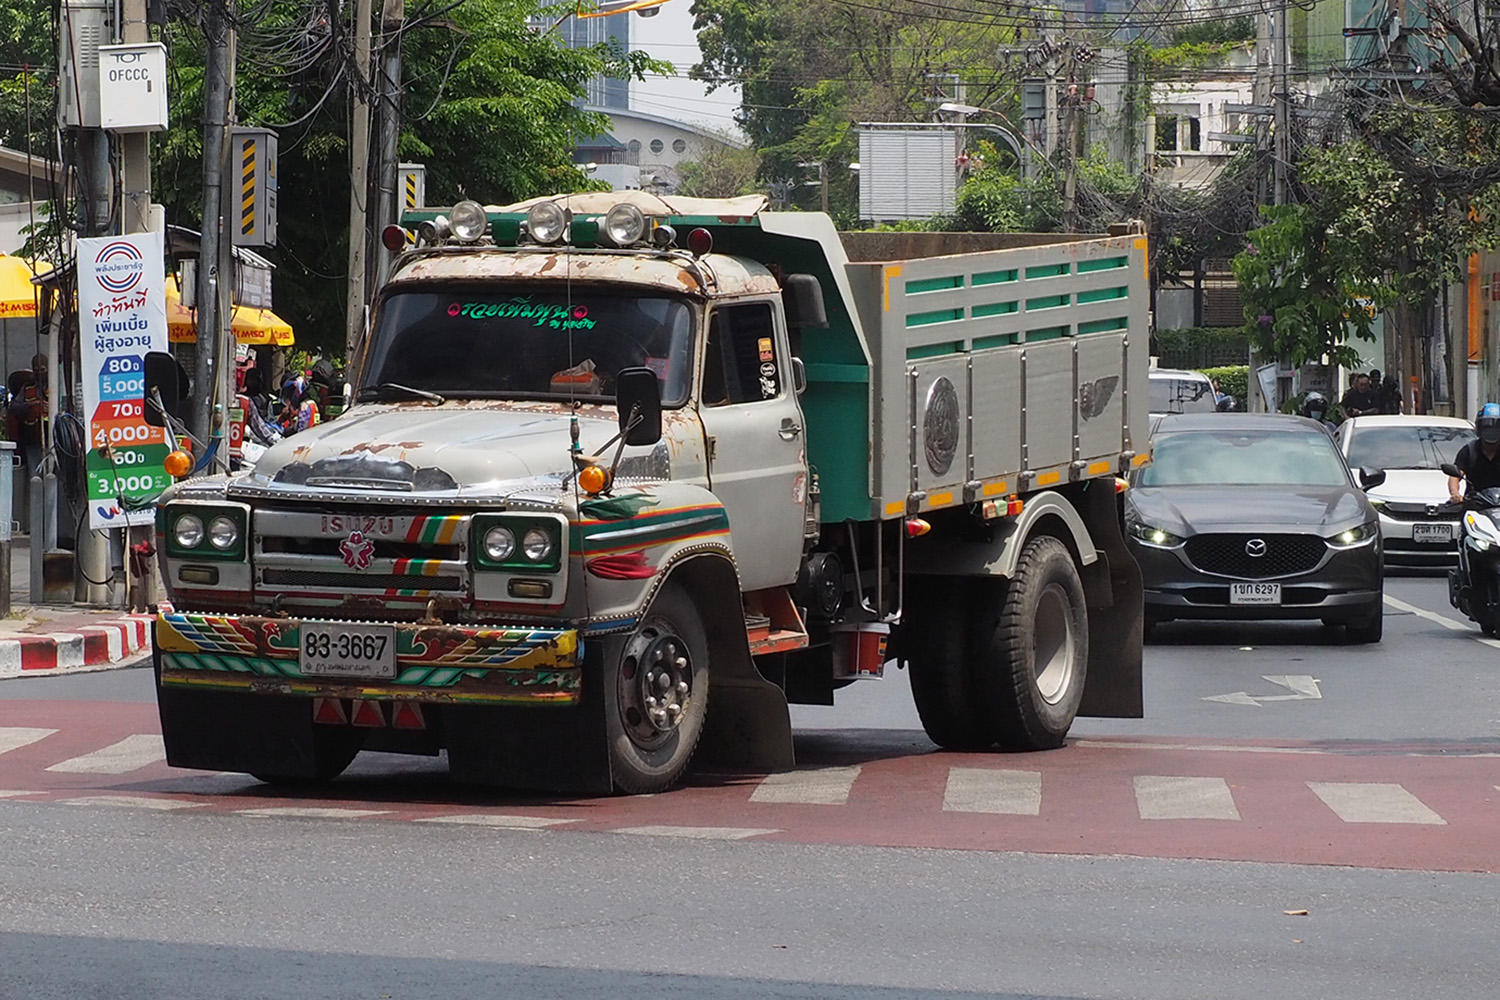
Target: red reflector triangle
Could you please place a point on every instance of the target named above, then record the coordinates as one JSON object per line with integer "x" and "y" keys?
{"x": 407, "y": 716}
{"x": 368, "y": 713}
{"x": 329, "y": 712}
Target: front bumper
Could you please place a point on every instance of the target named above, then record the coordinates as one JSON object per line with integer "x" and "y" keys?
{"x": 434, "y": 663}
{"x": 1401, "y": 550}
{"x": 1345, "y": 585}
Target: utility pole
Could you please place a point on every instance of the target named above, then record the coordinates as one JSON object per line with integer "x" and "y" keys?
{"x": 1281, "y": 101}
{"x": 1071, "y": 102}
{"x": 392, "y": 21}
{"x": 359, "y": 182}
{"x": 135, "y": 175}
{"x": 214, "y": 244}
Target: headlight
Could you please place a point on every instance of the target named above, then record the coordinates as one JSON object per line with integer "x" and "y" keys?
{"x": 624, "y": 225}
{"x": 223, "y": 533}
{"x": 469, "y": 221}
{"x": 1355, "y": 536}
{"x": 187, "y": 531}
{"x": 1480, "y": 526}
{"x": 499, "y": 543}
{"x": 546, "y": 221}
{"x": 1152, "y": 535}
{"x": 536, "y": 544}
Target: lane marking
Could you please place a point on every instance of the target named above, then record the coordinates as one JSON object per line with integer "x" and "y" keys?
{"x": 1159, "y": 796}
{"x": 500, "y": 822}
{"x": 10, "y": 793}
{"x": 1226, "y": 748}
{"x": 1443, "y": 620}
{"x": 989, "y": 790}
{"x": 310, "y": 812}
{"x": 16, "y": 737}
{"x": 130, "y": 754}
{"x": 133, "y": 802}
{"x": 1372, "y": 802}
{"x": 814, "y": 786}
{"x": 694, "y": 832}
{"x": 1302, "y": 686}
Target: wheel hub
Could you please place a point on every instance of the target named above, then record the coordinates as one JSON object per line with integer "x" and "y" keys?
{"x": 656, "y": 684}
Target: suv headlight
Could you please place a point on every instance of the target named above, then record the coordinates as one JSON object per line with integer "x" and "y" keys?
{"x": 1152, "y": 535}
{"x": 1358, "y": 535}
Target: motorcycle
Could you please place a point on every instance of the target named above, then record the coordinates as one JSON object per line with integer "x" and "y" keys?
{"x": 1474, "y": 587}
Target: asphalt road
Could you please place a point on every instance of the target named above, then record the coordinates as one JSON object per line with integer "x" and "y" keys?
{"x": 106, "y": 892}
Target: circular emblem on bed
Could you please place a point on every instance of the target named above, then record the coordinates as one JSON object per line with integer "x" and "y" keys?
{"x": 940, "y": 425}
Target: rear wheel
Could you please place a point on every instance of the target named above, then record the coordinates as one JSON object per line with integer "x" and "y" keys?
{"x": 333, "y": 750}
{"x": 1031, "y": 650}
{"x": 942, "y": 682}
{"x": 657, "y": 685}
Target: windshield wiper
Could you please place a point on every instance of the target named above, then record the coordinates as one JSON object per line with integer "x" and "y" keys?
{"x": 386, "y": 389}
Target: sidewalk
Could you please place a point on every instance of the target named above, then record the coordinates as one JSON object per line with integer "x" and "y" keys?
{"x": 45, "y": 639}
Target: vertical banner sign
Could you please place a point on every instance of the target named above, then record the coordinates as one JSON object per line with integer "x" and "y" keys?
{"x": 122, "y": 314}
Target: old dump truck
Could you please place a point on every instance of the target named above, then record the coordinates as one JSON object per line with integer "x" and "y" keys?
{"x": 626, "y": 475}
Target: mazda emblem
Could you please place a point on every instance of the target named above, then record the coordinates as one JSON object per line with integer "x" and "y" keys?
{"x": 1255, "y": 547}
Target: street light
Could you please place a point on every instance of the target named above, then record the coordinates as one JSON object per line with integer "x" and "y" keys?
{"x": 1010, "y": 135}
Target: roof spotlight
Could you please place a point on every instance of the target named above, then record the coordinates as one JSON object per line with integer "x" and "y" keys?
{"x": 625, "y": 224}
{"x": 546, "y": 222}
{"x": 469, "y": 221}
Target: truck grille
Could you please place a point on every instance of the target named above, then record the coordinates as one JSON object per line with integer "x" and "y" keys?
{"x": 1229, "y": 555}
{"x": 327, "y": 558}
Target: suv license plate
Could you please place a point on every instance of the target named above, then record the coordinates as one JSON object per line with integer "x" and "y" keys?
{"x": 1432, "y": 533}
{"x": 1255, "y": 593}
{"x": 337, "y": 650}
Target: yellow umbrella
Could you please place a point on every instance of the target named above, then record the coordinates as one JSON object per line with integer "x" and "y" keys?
{"x": 18, "y": 296}
{"x": 250, "y": 326}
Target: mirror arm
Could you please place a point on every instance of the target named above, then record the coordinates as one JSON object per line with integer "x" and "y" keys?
{"x": 171, "y": 426}
{"x": 635, "y": 418}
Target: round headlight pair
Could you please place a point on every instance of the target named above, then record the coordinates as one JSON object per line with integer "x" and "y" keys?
{"x": 223, "y": 534}
{"x": 500, "y": 544}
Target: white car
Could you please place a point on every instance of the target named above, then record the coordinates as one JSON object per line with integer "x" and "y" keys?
{"x": 1176, "y": 391}
{"x": 1417, "y": 521}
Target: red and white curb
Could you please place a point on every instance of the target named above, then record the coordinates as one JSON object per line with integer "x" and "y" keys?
{"x": 87, "y": 647}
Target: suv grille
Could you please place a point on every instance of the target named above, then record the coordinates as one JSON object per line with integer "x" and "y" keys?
{"x": 1227, "y": 555}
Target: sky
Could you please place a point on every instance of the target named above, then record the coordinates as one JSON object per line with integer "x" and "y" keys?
{"x": 670, "y": 36}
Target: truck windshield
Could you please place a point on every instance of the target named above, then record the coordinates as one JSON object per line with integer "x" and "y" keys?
{"x": 538, "y": 343}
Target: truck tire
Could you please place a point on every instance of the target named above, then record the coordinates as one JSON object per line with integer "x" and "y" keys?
{"x": 656, "y": 690}
{"x": 333, "y": 750}
{"x": 1031, "y": 649}
{"x": 941, "y": 681}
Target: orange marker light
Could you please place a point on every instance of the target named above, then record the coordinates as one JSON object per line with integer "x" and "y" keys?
{"x": 177, "y": 464}
{"x": 593, "y": 479}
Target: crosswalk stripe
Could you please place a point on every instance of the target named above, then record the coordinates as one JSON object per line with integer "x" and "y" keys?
{"x": 991, "y": 790}
{"x": 502, "y": 822}
{"x": 818, "y": 786}
{"x": 11, "y": 793}
{"x": 1160, "y": 796}
{"x": 133, "y": 802}
{"x": 130, "y": 754}
{"x": 16, "y": 737}
{"x": 695, "y": 832}
{"x": 310, "y": 812}
{"x": 1370, "y": 802}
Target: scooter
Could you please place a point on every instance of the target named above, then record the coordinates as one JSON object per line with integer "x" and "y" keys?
{"x": 1474, "y": 587}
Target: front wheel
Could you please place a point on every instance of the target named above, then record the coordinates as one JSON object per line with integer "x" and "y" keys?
{"x": 1032, "y": 651}
{"x": 657, "y": 689}
{"x": 1367, "y": 630}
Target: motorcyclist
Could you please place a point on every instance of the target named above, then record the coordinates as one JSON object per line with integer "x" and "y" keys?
{"x": 1227, "y": 404}
{"x": 1479, "y": 460}
{"x": 1315, "y": 407}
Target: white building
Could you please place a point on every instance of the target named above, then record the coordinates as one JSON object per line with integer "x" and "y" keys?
{"x": 644, "y": 151}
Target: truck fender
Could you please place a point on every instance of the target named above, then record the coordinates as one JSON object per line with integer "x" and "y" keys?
{"x": 945, "y": 554}
{"x": 749, "y": 726}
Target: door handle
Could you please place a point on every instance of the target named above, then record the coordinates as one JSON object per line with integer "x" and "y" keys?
{"x": 789, "y": 429}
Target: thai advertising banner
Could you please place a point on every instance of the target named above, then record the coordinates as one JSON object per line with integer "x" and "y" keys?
{"x": 122, "y": 314}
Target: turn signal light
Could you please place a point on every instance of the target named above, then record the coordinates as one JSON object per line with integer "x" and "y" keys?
{"x": 916, "y": 527}
{"x": 177, "y": 464}
{"x": 700, "y": 242}
{"x": 393, "y": 238}
{"x": 593, "y": 479}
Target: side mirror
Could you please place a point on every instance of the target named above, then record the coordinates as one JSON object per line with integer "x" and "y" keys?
{"x": 638, "y": 398}
{"x": 802, "y": 298}
{"x": 1452, "y": 470}
{"x": 163, "y": 380}
{"x": 1370, "y": 478}
{"x": 799, "y": 376}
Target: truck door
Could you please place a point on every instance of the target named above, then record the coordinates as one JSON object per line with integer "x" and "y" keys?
{"x": 757, "y": 463}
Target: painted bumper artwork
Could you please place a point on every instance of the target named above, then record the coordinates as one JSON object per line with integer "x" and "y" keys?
{"x": 434, "y": 663}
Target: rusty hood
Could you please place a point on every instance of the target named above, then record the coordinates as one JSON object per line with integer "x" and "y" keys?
{"x": 474, "y": 449}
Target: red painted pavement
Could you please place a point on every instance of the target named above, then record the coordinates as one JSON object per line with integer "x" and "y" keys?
{"x": 1088, "y": 803}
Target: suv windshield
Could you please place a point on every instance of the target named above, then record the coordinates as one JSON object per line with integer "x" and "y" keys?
{"x": 1244, "y": 458}
{"x": 537, "y": 343}
{"x": 1411, "y": 447}
{"x": 1181, "y": 395}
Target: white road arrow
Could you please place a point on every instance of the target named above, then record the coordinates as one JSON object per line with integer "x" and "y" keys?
{"x": 1303, "y": 688}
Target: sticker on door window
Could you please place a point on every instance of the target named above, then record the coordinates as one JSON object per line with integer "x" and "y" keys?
{"x": 767, "y": 351}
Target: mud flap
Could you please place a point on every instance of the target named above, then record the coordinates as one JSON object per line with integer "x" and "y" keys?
{"x": 1116, "y": 611}
{"x": 539, "y": 748}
